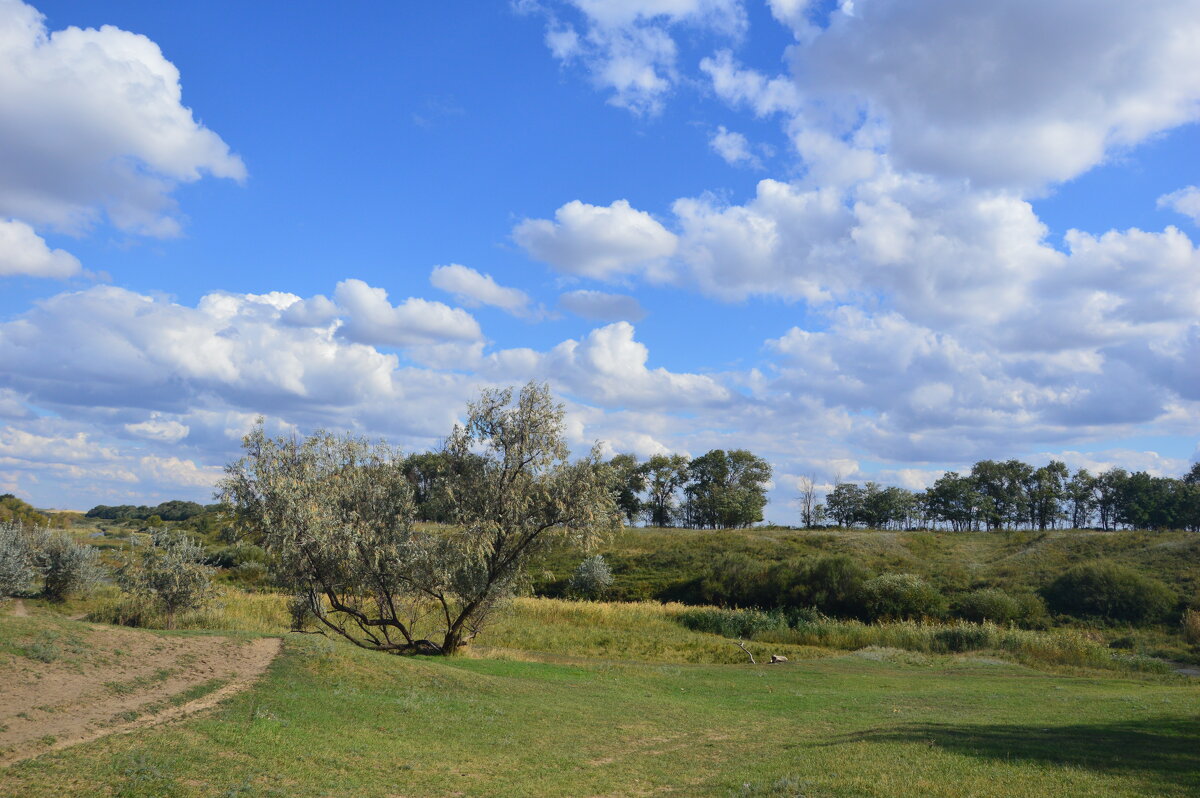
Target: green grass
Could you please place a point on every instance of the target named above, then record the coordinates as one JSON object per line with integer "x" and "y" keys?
{"x": 659, "y": 563}
{"x": 338, "y": 721}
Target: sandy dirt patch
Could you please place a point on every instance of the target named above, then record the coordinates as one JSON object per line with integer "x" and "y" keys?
{"x": 107, "y": 680}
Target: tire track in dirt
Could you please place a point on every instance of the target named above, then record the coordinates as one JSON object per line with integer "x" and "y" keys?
{"x": 119, "y": 681}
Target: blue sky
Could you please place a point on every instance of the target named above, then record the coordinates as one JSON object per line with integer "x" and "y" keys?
{"x": 868, "y": 241}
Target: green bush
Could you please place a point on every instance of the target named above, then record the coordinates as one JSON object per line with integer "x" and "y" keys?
{"x": 737, "y": 580}
{"x": 237, "y": 554}
{"x": 833, "y": 584}
{"x": 1110, "y": 591}
{"x": 738, "y": 624}
{"x": 993, "y": 604}
{"x": 893, "y": 597}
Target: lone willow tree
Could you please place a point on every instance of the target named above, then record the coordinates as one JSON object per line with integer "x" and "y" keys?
{"x": 336, "y": 514}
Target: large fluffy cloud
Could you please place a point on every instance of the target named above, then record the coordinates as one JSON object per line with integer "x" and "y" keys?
{"x": 372, "y": 319}
{"x": 122, "y": 138}
{"x": 1016, "y": 93}
{"x": 145, "y": 396}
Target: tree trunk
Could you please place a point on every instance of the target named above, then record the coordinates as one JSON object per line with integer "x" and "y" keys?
{"x": 452, "y": 642}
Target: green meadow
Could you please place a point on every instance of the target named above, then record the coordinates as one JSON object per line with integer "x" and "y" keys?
{"x": 576, "y": 699}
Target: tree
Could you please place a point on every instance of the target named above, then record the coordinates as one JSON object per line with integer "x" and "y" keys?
{"x": 807, "y": 500}
{"x": 628, "y": 482}
{"x": 1108, "y": 492}
{"x": 1046, "y": 490}
{"x": 1002, "y": 488}
{"x": 335, "y": 514}
{"x": 844, "y": 503}
{"x": 169, "y": 573}
{"x": 953, "y": 499}
{"x": 426, "y": 473}
{"x": 1081, "y": 494}
{"x": 1147, "y": 502}
{"x": 665, "y": 475}
{"x": 884, "y": 507}
{"x": 727, "y": 489}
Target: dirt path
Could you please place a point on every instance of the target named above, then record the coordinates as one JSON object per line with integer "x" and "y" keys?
{"x": 102, "y": 680}
{"x": 18, "y": 609}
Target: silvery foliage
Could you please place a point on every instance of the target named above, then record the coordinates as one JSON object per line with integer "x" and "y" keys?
{"x": 169, "y": 572}
{"x": 17, "y": 569}
{"x": 61, "y": 564}
{"x": 66, "y": 566}
{"x": 591, "y": 579}
{"x": 336, "y": 514}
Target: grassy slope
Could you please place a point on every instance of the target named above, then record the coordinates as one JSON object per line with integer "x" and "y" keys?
{"x": 332, "y": 720}
{"x": 649, "y": 563}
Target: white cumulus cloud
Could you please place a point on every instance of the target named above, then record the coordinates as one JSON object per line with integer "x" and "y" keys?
{"x": 371, "y": 319}
{"x": 597, "y": 241}
{"x": 24, "y": 252}
{"x": 122, "y": 137}
{"x": 1020, "y": 93}
{"x": 472, "y": 287}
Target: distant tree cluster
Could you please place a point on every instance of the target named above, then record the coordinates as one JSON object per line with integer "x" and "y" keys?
{"x": 174, "y": 510}
{"x": 1015, "y": 495}
{"x": 16, "y": 511}
{"x": 718, "y": 490}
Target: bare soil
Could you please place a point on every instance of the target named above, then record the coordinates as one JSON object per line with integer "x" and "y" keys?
{"x": 111, "y": 680}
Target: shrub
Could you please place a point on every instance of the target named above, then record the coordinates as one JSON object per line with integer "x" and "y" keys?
{"x": 1111, "y": 591}
{"x": 237, "y": 554}
{"x": 301, "y": 611}
{"x": 833, "y": 584}
{"x": 169, "y": 574}
{"x": 738, "y": 624}
{"x": 992, "y": 604}
{"x": 16, "y": 560}
{"x": 901, "y": 596}
{"x": 66, "y": 567}
{"x": 591, "y": 579}
{"x": 737, "y": 580}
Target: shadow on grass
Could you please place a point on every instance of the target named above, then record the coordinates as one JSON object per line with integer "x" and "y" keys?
{"x": 1163, "y": 752}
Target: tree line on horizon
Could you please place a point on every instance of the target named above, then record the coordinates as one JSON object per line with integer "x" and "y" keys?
{"x": 717, "y": 490}
{"x": 1011, "y": 494}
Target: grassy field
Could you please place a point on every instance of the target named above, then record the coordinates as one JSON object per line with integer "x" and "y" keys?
{"x": 660, "y": 563}
{"x": 591, "y": 699}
